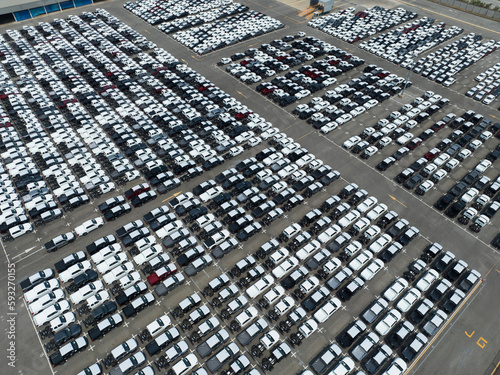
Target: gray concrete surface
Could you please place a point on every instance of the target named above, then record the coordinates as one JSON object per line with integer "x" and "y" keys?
{"x": 453, "y": 352}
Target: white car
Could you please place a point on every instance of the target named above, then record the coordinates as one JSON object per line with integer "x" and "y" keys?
{"x": 302, "y": 94}
{"x": 148, "y": 254}
{"x": 260, "y": 286}
{"x": 97, "y": 299}
{"x": 346, "y": 117}
{"x": 371, "y": 103}
{"x": 118, "y": 272}
{"x": 327, "y": 310}
{"x": 367, "y": 204}
{"x": 285, "y": 304}
{"x": 372, "y": 269}
{"x": 397, "y": 367}
{"x": 308, "y": 250}
{"x": 40, "y": 290}
{"x": 380, "y": 243}
{"x": 273, "y": 158}
{"x": 329, "y": 127}
{"x": 112, "y": 262}
{"x": 51, "y": 312}
{"x": 357, "y": 111}
{"x": 185, "y": 364}
{"x": 269, "y": 133}
{"x": 89, "y": 226}
{"x": 106, "y": 253}
{"x": 158, "y": 325}
{"x": 62, "y": 321}
{"x": 351, "y": 142}
{"x": 20, "y": 230}
{"x": 328, "y": 234}
{"x": 395, "y": 289}
{"x": 405, "y": 138}
{"x": 376, "y": 211}
{"x": 391, "y": 318}
{"x": 130, "y": 279}
{"x": 287, "y": 171}
{"x": 75, "y": 270}
{"x": 483, "y": 166}
{"x": 285, "y": 267}
{"x": 46, "y": 301}
{"x": 360, "y": 260}
{"x": 181, "y": 199}
{"x": 210, "y": 193}
{"x": 170, "y": 228}
{"x": 427, "y": 279}
{"x": 86, "y": 292}
{"x": 408, "y": 300}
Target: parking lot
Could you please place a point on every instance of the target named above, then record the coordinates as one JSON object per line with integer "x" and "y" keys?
{"x": 477, "y": 345}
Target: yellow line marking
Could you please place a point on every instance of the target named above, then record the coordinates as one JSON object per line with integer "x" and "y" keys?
{"x": 495, "y": 369}
{"x": 453, "y": 18}
{"x": 242, "y": 94}
{"x": 442, "y": 329}
{"x": 497, "y": 270}
{"x": 394, "y": 199}
{"x": 172, "y": 196}
{"x": 194, "y": 57}
{"x": 305, "y": 135}
{"x": 147, "y": 31}
{"x": 185, "y": 61}
{"x": 495, "y": 117}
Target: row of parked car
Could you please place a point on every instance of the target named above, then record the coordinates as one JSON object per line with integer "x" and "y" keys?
{"x": 398, "y": 45}
{"x": 443, "y": 65}
{"x": 347, "y": 101}
{"x": 296, "y": 84}
{"x": 202, "y": 18}
{"x": 391, "y": 323}
{"x": 396, "y": 128}
{"x": 231, "y": 30}
{"x": 156, "y": 12}
{"x": 351, "y": 26}
{"x": 88, "y": 117}
{"x": 426, "y": 172}
{"x": 489, "y": 82}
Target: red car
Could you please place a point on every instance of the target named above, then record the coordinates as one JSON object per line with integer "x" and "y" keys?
{"x": 161, "y": 274}
{"x": 414, "y": 143}
{"x": 242, "y": 115}
{"x": 136, "y": 190}
{"x": 431, "y": 155}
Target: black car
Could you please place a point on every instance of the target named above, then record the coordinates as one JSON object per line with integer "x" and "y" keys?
{"x": 444, "y": 201}
{"x": 68, "y": 351}
{"x": 413, "y": 181}
{"x": 100, "y": 243}
{"x": 111, "y": 202}
{"x": 67, "y": 334}
{"x": 143, "y": 198}
{"x": 117, "y": 211}
{"x": 85, "y": 278}
{"x": 161, "y": 221}
{"x": 69, "y": 260}
{"x": 168, "y": 185}
{"x": 385, "y": 164}
{"x": 348, "y": 291}
{"x": 455, "y": 209}
{"x": 351, "y": 333}
{"x": 105, "y": 309}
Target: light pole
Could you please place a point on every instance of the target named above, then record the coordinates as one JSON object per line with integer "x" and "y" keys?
{"x": 413, "y": 55}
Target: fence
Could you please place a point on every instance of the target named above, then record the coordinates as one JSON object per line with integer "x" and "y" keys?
{"x": 490, "y": 13}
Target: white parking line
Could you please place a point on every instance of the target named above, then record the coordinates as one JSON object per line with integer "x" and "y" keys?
{"x": 39, "y": 340}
